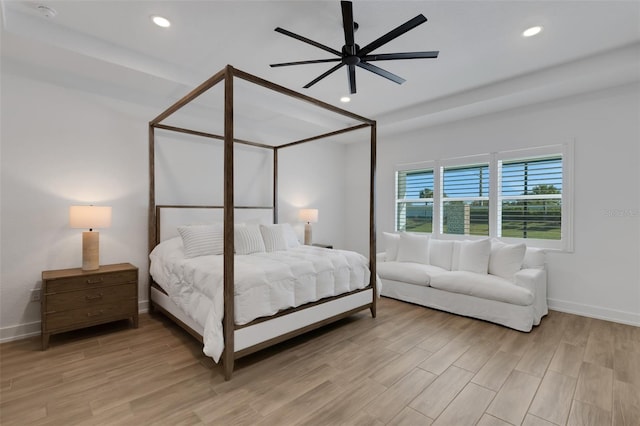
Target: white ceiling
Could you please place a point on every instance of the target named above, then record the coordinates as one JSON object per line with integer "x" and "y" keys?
{"x": 111, "y": 48}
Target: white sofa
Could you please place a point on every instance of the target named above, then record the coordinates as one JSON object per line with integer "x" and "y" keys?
{"x": 486, "y": 279}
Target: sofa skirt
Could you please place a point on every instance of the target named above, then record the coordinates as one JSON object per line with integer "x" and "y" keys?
{"x": 521, "y": 318}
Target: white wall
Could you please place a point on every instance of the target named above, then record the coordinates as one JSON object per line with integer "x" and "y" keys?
{"x": 601, "y": 278}
{"x": 61, "y": 147}
{"x": 312, "y": 175}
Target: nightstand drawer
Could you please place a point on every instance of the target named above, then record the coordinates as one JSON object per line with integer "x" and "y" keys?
{"x": 91, "y": 281}
{"x": 91, "y": 297}
{"x": 90, "y": 315}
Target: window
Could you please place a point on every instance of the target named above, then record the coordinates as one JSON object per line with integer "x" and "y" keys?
{"x": 465, "y": 200}
{"x": 517, "y": 195}
{"x": 414, "y": 200}
{"x": 530, "y": 203}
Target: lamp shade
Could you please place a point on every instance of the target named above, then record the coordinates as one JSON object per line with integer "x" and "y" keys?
{"x": 309, "y": 215}
{"x": 89, "y": 217}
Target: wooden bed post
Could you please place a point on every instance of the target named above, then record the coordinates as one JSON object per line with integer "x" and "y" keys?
{"x": 275, "y": 185}
{"x": 152, "y": 206}
{"x": 372, "y": 219}
{"x": 228, "y": 324}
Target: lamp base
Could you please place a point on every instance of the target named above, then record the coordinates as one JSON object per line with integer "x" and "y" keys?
{"x": 90, "y": 251}
{"x": 307, "y": 234}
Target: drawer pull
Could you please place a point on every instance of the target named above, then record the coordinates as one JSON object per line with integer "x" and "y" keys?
{"x": 97, "y": 296}
{"x": 98, "y": 281}
{"x": 100, "y": 312}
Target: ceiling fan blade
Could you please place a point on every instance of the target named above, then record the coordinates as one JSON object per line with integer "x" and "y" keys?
{"x": 396, "y": 32}
{"x": 313, "y": 61}
{"x": 323, "y": 75}
{"x": 308, "y": 41}
{"x": 352, "y": 79}
{"x": 406, "y": 55}
{"x": 349, "y": 27}
{"x": 382, "y": 73}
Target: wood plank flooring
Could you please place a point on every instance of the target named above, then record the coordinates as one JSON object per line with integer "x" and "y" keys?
{"x": 409, "y": 366}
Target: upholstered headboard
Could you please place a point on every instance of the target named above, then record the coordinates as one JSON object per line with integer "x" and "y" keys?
{"x": 168, "y": 218}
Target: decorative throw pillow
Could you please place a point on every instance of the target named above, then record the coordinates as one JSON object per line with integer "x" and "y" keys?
{"x": 474, "y": 256}
{"x": 506, "y": 259}
{"x": 413, "y": 248}
{"x": 290, "y": 236}
{"x": 391, "y": 243}
{"x": 273, "y": 237}
{"x": 202, "y": 240}
{"x": 440, "y": 253}
{"x": 248, "y": 239}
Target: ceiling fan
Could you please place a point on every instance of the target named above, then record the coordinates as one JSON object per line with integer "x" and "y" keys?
{"x": 354, "y": 56}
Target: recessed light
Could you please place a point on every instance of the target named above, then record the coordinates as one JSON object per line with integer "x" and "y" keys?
{"x": 530, "y": 32}
{"x": 161, "y": 21}
{"x": 345, "y": 99}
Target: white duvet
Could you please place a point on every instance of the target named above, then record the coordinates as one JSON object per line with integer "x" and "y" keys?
{"x": 265, "y": 283}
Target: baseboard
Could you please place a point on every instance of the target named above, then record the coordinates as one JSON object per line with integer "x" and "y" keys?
{"x": 20, "y": 331}
{"x": 590, "y": 311}
{"x": 23, "y": 331}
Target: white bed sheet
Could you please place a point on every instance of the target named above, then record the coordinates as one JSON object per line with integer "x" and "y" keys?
{"x": 265, "y": 283}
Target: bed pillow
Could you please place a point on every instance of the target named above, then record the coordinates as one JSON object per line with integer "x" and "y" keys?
{"x": 202, "y": 240}
{"x": 413, "y": 248}
{"x": 167, "y": 248}
{"x": 290, "y": 236}
{"x": 248, "y": 239}
{"x": 474, "y": 256}
{"x": 391, "y": 244}
{"x": 506, "y": 259}
{"x": 440, "y": 253}
{"x": 273, "y": 237}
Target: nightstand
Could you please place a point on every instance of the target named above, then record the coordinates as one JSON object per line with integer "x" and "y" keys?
{"x": 73, "y": 298}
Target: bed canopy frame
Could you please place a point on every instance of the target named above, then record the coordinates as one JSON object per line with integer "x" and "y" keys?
{"x": 227, "y": 76}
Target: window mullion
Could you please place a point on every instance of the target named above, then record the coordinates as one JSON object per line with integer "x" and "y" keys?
{"x": 437, "y": 200}
{"x": 495, "y": 212}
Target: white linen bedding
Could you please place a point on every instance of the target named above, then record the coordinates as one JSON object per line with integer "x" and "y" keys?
{"x": 265, "y": 283}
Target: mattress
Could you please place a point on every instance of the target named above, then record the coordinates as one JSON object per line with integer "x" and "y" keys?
{"x": 265, "y": 283}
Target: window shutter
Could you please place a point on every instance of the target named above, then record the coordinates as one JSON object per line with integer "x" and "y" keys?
{"x": 531, "y": 198}
{"x": 414, "y": 200}
{"x": 465, "y": 200}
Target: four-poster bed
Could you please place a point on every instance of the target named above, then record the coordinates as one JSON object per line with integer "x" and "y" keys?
{"x": 242, "y": 339}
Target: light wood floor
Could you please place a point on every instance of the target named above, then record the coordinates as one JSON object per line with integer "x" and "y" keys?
{"x": 410, "y": 366}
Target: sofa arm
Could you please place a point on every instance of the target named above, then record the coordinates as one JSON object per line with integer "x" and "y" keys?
{"x": 381, "y": 257}
{"x": 535, "y": 280}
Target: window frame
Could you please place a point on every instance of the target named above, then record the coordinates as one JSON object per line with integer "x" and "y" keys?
{"x": 414, "y": 167}
{"x": 460, "y": 162}
{"x": 493, "y": 160}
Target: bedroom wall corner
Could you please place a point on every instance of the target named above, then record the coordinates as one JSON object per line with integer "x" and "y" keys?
{"x": 312, "y": 175}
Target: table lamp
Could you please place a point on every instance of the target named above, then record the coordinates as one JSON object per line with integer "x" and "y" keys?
{"x": 90, "y": 217}
{"x": 309, "y": 216}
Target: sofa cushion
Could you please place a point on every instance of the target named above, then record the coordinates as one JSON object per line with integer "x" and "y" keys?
{"x": 506, "y": 259}
{"x": 413, "y": 248}
{"x": 408, "y": 272}
{"x": 471, "y": 256}
{"x": 440, "y": 253}
{"x": 391, "y": 243}
{"x": 484, "y": 286}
